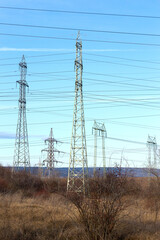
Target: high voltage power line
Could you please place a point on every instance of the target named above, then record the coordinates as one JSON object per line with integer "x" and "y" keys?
{"x": 85, "y": 40}
{"x": 80, "y": 12}
{"x": 85, "y": 53}
{"x": 41, "y": 55}
{"x": 88, "y": 108}
{"x": 80, "y": 29}
{"x": 55, "y": 60}
{"x": 123, "y": 64}
{"x": 112, "y": 99}
{"x": 93, "y": 60}
{"x": 101, "y": 61}
{"x": 108, "y": 98}
{"x": 123, "y": 83}
{"x": 121, "y": 58}
{"x": 36, "y": 143}
{"x": 112, "y": 122}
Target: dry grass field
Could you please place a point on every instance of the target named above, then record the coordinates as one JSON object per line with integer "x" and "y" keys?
{"x": 57, "y": 218}
{"x": 35, "y": 218}
{"x": 118, "y": 207}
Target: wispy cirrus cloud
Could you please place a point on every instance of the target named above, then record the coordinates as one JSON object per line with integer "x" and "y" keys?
{"x": 7, "y": 135}
{"x": 8, "y": 107}
{"x": 8, "y": 49}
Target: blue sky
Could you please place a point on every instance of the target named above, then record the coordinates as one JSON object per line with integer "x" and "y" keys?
{"x": 120, "y": 81}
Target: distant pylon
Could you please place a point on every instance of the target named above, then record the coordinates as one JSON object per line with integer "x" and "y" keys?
{"x": 40, "y": 168}
{"x": 21, "y": 154}
{"x": 152, "y": 152}
{"x": 99, "y": 127}
{"x": 50, "y": 160}
{"x": 78, "y": 166}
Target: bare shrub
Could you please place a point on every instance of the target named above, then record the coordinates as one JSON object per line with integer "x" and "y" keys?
{"x": 62, "y": 185}
{"x": 5, "y": 172}
{"x": 102, "y": 210}
{"x": 25, "y": 182}
{"x": 51, "y": 184}
{"x": 115, "y": 181}
{"x": 55, "y": 185}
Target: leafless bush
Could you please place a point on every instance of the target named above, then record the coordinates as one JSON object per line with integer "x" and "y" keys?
{"x": 117, "y": 181}
{"x": 51, "y": 184}
{"x": 25, "y": 182}
{"x": 102, "y": 210}
{"x": 5, "y": 173}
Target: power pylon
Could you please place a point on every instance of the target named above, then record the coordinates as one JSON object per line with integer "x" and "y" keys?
{"x": 21, "y": 154}
{"x": 99, "y": 128}
{"x": 40, "y": 168}
{"x": 78, "y": 166}
{"x": 152, "y": 152}
{"x": 50, "y": 160}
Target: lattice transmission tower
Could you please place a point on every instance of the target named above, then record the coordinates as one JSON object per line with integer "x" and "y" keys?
{"x": 78, "y": 166}
{"x": 50, "y": 160}
{"x": 99, "y": 128}
{"x": 21, "y": 154}
{"x": 152, "y": 152}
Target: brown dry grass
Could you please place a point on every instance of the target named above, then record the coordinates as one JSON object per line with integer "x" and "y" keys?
{"x": 56, "y": 218}
{"x": 35, "y": 218}
{"x": 117, "y": 208}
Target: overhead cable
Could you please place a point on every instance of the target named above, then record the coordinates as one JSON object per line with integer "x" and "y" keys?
{"x": 81, "y": 12}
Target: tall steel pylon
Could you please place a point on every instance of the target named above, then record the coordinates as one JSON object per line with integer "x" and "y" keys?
{"x": 50, "y": 160}
{"x": 152, "y": 152}
{"x": 78, "y": 166}
{"x": 21, "y": 154}
{"x": 99, "y": 127}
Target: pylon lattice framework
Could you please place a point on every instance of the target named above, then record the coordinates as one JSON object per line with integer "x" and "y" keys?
{"x": 152, "y": 152}
{"x": 21, "y": 154}
{"x": 78, "y": 166}
{"x": 99, "y": 127}
{"x": 50, "y": 160}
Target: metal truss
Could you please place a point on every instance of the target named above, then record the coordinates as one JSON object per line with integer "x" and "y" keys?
{"x": 78, "y": 166}
{"x": 21, "y": 154}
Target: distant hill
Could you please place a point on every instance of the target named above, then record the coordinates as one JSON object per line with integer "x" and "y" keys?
{"x": 63, "y": 172}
